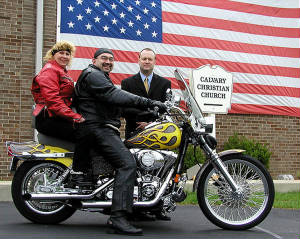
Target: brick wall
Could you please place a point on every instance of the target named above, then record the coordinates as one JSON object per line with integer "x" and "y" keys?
{"x": 280, "y": 133}
{"x": 17, "y": 67}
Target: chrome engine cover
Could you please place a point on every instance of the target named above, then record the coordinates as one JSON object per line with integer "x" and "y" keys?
{"x": 149, "y": 159}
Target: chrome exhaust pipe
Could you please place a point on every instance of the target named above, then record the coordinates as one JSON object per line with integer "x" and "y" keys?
{"x": 101, "y": 204}
{"x": 65, "y": 196}
{"x": 151, "y": 203}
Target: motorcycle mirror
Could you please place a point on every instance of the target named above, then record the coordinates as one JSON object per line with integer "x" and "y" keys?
{"x": 209, "y": 128}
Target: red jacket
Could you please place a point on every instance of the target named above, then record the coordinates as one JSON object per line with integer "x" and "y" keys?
{"x": 53, "y": 88}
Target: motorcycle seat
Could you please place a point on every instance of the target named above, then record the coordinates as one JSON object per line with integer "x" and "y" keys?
{"x": 55, "y": 142}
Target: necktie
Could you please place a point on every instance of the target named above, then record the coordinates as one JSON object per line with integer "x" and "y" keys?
{"x": 146, "y": 84}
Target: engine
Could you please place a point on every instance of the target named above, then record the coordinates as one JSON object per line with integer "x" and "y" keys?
{"x": 152, "y": 167}
{"x": 149, "y": 160}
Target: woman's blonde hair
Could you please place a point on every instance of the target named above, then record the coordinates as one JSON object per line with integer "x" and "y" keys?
{"x": 60, "y": 46}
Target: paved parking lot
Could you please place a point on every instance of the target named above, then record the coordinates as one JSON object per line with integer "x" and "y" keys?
{"x": 187, "y": 222}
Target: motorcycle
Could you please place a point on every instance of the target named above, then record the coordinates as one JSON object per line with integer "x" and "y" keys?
{"x": 234, "y": 190}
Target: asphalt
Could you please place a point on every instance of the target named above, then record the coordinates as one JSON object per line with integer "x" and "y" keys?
{"x": 280, "y": 186}
{"x": 186, "y": 222}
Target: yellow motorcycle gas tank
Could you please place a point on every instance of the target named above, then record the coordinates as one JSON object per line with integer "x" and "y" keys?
{"x": 159, "y": 136}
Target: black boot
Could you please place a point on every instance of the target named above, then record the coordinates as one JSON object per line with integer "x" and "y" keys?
{"x": 141, "y": 216}
{"x": 162, "y": 216}
{"x": 119, "y": 224}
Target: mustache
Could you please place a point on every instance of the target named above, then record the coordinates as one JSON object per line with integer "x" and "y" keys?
{"x": 107, "y": 64}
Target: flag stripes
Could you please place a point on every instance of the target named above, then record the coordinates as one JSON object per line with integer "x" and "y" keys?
{"x": 258, "y": 41}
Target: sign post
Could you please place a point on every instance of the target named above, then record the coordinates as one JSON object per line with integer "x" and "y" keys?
{"x": 212, "y": 87}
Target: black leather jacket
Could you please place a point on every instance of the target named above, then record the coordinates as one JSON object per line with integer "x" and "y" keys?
{"x": 99, "y": 101}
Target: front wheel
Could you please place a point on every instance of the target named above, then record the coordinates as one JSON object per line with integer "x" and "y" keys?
{"x": 236, "y": 210}
{"x": 39, "y": 177}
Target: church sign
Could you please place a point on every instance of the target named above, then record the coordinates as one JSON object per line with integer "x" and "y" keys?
{"x": 212, "y": 88}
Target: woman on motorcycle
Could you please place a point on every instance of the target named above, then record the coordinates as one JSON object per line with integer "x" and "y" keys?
{"x": 52, "y": 90}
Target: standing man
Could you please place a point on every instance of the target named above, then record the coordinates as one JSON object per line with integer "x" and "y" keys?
{"x": 99, "y": 101}
{"x": 146, "y": 84}
{"x": 149, "y": 85}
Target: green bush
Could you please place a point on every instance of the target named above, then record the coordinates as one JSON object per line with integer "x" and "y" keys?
{"x": 252, "y": 147}
{"x": 190, "y": 160}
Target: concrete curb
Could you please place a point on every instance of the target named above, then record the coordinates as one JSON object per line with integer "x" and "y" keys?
{"x": 282, "y": 186}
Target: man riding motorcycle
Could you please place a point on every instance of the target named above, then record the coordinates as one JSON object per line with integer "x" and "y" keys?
{"x": 99, "y": 101}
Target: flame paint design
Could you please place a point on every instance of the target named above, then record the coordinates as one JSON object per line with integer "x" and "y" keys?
{"x": 161, "y": 136}
{"x": 33, "y": 148}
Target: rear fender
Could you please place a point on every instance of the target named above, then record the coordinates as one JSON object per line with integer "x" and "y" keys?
{"x": 42, "y": 153}
{"x": 14, "y": 163}
{"x": 204, "y": 166}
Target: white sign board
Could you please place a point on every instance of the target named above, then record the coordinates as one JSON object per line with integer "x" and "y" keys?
{"x": 212, "y": 86}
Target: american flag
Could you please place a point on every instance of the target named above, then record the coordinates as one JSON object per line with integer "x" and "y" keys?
{"x": 257, "y": 40}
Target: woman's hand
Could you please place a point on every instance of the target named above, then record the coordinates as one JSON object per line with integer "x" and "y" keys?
{"x": 80, "y": 120}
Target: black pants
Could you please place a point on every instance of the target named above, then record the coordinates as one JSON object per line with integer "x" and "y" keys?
{"x": 55, "y": 126}
{"x": 61, "y": 128}
{"x": 111, "y": 147}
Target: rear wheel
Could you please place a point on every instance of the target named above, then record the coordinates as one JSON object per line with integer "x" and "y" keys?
{"x": 236, "y": 210}
{"x": 39, "y": 177}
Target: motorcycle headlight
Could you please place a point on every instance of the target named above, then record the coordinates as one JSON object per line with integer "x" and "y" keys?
{"x": 211, "y": 141}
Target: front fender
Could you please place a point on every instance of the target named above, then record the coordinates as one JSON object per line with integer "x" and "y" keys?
{"x": 221, "y": 155}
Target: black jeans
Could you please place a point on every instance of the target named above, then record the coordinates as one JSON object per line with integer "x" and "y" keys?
{"x": 111, "y": 147}
{"x": 55, "y": 126}
{"x": 61, "y": 128}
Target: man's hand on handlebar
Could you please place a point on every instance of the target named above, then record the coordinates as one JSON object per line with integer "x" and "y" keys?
{"x": 161, "y": 106}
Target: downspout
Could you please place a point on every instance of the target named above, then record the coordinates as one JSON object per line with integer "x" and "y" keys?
{"x": 39, "y": 36}
{"x": 39, "y": 41}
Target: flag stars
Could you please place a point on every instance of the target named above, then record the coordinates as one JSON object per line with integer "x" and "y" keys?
{"x": 153, "y": 4}
{"x": 105, "y": 12}
{"x": 88, "y": 26}
{"x": 113, "y": 6}
{"x": 71, "y": 8}
{"x": 97, "y": 19}
{"x": 138, "y": 17}
{"x": 114, "y": 21}
{"x": 130, "y": 23}
{"x": 122, "y": 19}
{"x": 122, "y": 30}
{"x": 122, "y": 15}
{"x": 79, "y": 17}
{"x": 88, "y": 10}
{"x": 145, "y": 11}
{"x": 105, "y": 28}
{"x": 138, "y": 32}
{"x": 71, "y": 24}
{"x": 129, "y": 8}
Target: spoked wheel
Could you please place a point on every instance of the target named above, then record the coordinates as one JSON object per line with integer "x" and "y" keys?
{"x": 39, "y": 177}
{"x": 236, "y": 210}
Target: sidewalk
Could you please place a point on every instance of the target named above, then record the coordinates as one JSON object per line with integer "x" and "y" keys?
{"x": 282, "y": 186}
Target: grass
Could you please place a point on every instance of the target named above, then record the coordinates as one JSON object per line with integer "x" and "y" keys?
{"x": 289, "y": 200}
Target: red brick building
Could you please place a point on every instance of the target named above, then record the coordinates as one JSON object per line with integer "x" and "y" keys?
{"x": 17, "y": 68}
